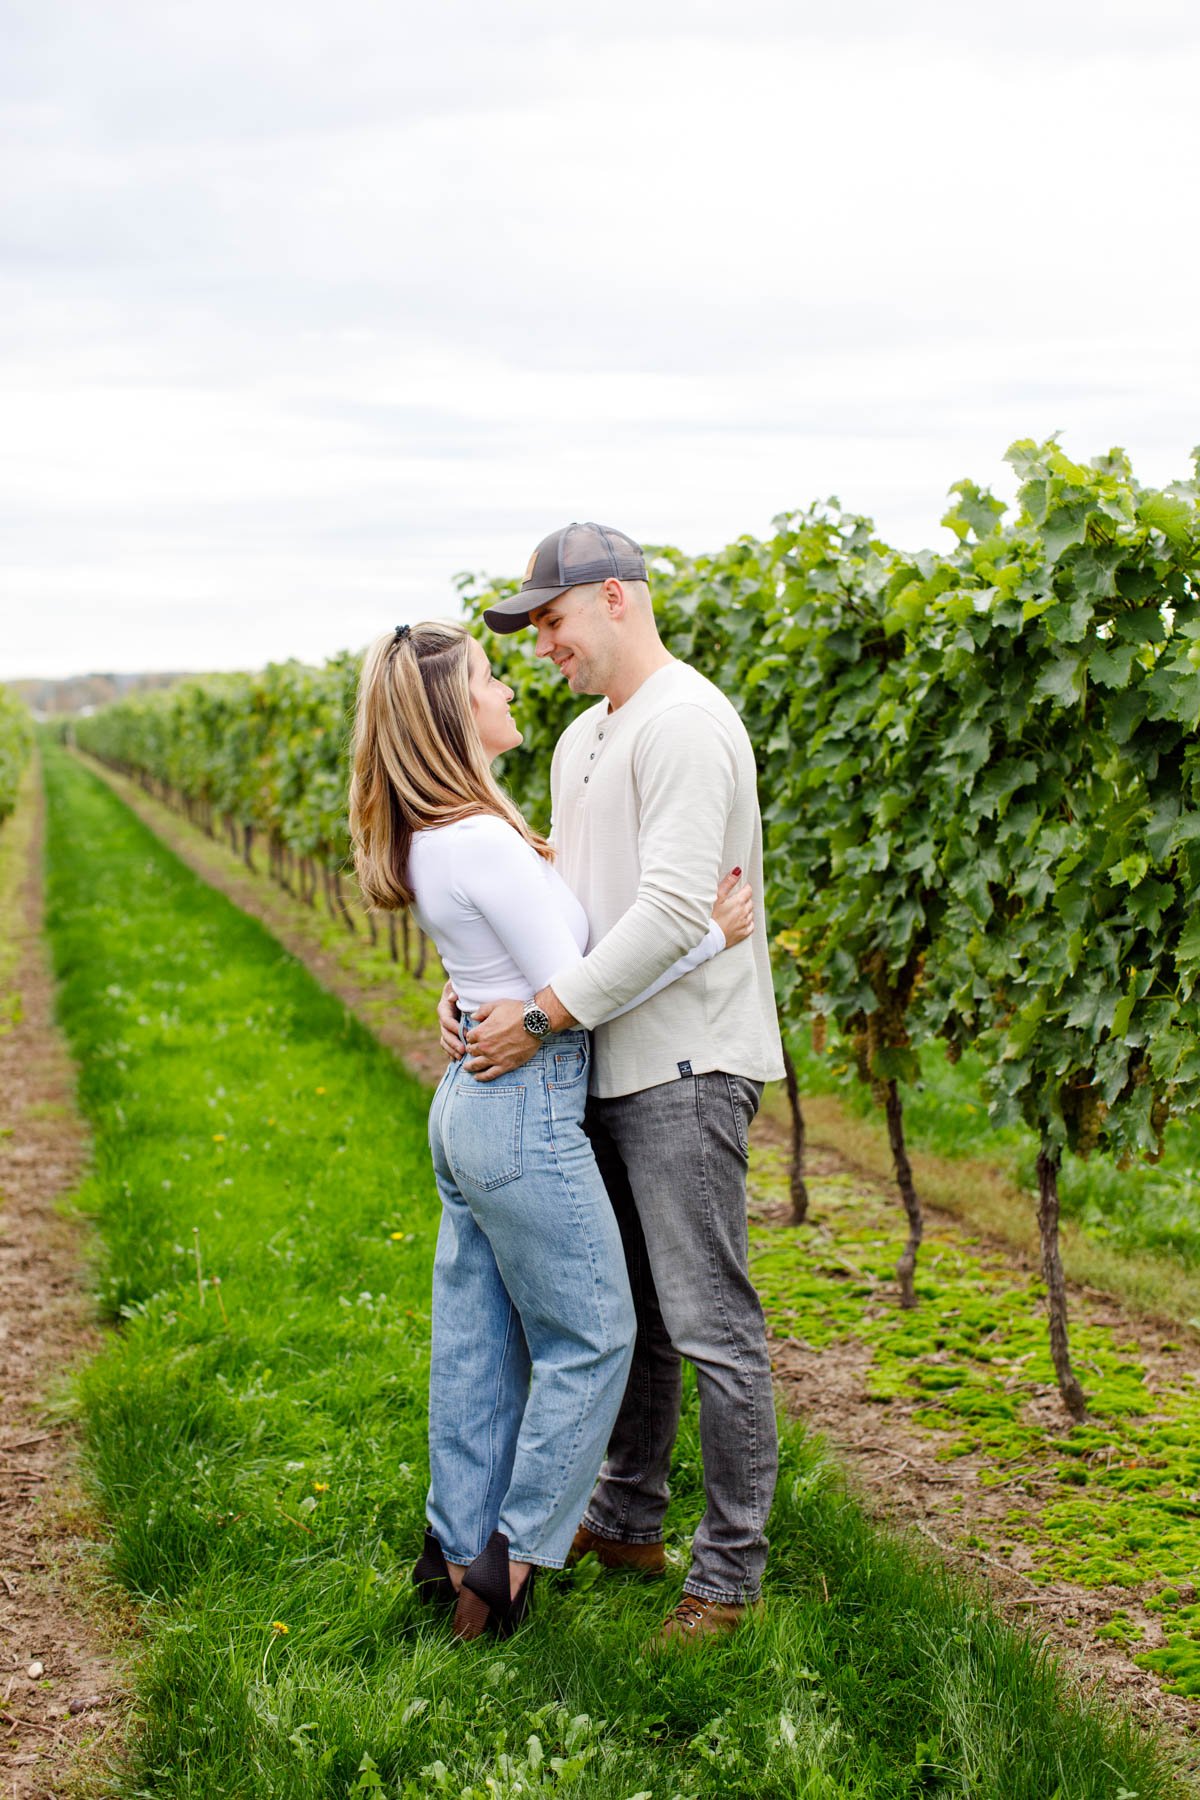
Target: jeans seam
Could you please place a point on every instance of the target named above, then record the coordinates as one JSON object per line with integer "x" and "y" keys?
{"x": 641, "y": 1371}
{"x": 744, "y": 1377}
{"x": 565, "y": 1179}
{"x": 491, "y": 1470}
{"x": 645, "y": 1442}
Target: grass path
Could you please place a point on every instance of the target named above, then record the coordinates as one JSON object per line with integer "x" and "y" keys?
{"x": 258, "y": 1447}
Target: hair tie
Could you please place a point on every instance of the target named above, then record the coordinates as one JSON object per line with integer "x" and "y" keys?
{"x": 402, "y": 631}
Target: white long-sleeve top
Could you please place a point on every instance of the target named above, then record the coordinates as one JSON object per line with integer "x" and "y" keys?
{"x": 503, "y": 919}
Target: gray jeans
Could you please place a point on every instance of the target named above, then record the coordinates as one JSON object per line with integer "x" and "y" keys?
{"x": 674, "y": 1160}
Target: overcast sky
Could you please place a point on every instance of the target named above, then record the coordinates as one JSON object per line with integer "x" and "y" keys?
{"x": 305, "y": 307}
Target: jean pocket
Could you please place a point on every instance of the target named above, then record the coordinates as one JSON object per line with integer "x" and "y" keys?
{"x": 570, "y": 1065}
{"x": 483, "y": 1134}
{"x": 744, "y": 1098}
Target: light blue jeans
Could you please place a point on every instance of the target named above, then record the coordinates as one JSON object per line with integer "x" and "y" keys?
{"x": 533, "y": 1321}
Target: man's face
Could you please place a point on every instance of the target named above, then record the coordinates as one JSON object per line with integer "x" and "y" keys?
{"x": 573, "y": 632}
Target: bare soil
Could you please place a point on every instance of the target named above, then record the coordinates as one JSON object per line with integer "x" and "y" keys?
{"x": 892, "y": 1463}
{"x": 60, "y": 1689}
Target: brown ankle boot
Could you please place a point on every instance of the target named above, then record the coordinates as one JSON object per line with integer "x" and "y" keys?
{"x": 611, "y": 1553}
{"x": 485, "y": 1602}
{"x": 696, "y": 1621}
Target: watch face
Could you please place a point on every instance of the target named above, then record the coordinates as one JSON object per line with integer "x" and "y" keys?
{"x": 537, "y": 1023}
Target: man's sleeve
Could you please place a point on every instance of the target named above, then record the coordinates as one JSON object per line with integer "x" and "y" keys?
{"x": 685, "y": 769}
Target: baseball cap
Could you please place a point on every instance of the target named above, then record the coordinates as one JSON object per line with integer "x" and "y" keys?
{"x": 567, "y": 558}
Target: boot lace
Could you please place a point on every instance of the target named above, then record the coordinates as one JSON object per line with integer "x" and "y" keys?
{"x": 690, "y": 1612}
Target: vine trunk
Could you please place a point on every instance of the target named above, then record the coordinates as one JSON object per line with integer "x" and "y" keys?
{"x": 799, "y": 1187}
{"x": 906, "y": 1267}
{"x": 1056, "y": 1288}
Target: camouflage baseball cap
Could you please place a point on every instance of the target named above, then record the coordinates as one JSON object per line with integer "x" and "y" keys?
{"x": 568, "y": 558}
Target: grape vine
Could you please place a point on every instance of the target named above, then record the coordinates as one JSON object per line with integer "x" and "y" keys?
{"x": 980, "y": 775}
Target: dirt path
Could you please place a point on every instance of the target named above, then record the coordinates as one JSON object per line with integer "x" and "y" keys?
{"x": 59, "y": 1690}
{"x": 893, "y": 1461}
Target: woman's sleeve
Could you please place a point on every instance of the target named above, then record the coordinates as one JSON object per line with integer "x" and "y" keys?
{"x": 503, "y": 878}
{"x": 710, "y": 945}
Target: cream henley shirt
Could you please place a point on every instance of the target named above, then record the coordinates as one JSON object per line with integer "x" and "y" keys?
{"x": 652, "y": 804}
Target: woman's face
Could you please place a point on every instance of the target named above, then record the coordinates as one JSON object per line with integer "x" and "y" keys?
{"x": 489, "y": 702}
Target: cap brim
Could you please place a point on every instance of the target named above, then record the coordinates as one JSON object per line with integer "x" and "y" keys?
{"x": 513, "y": 614}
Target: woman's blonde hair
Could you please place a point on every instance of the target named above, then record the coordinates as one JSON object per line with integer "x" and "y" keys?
{"x": 417, "y": 759}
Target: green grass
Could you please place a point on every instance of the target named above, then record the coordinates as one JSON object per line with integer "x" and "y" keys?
{"x": 1111, "y": 1501}
{"x": 260, "y": 1455}
{"x": 1146, "y": 1207}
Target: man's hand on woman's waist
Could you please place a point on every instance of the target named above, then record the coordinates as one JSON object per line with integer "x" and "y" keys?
{"x": 498, "y": 1041}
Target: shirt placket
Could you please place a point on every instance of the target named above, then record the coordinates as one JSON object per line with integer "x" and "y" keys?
{"x": 599, "y": 738}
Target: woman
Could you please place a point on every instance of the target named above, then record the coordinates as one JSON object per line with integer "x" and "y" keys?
{"x": 533, "y": 1322}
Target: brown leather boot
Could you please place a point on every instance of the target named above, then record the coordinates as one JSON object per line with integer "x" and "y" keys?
{"x": 696, "y": 1621}
{"x": 611, "y": 1553}
{"x": 485, "y": 1602}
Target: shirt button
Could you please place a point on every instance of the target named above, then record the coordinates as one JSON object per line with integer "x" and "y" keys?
{"x": 585, "y": 781}
{"x": 592, "y": 757}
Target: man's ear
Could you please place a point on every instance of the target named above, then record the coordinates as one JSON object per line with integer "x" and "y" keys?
{"x": 616, "y": 600}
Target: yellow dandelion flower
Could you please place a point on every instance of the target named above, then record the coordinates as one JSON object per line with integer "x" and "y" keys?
{"x": 218, "y": 1137}
{"x": 270, "y": 1121}
{"x": 397, "y": 1237}
{"x": 320, "y": 1090}
{"x": 279, "y": 1626}
{"x": 320, "y": 1487}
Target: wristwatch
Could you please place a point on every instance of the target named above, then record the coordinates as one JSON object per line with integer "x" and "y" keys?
{"x": 536, "y": 1022}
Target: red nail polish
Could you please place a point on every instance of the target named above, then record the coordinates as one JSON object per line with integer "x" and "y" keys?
{"x": 737, "y": 871}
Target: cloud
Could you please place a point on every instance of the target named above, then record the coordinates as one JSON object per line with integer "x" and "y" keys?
{"x": 302, "y": 311}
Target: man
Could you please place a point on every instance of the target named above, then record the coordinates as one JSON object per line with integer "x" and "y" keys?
{"x": 654, "y": 797}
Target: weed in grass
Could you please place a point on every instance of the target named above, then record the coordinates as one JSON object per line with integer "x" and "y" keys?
{"x": 266, "y": 1468}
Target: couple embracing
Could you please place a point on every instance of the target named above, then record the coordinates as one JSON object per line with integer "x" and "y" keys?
{"x": 610, "y": 1021}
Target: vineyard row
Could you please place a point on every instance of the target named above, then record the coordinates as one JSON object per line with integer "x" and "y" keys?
{"x": 980, "y": 773}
